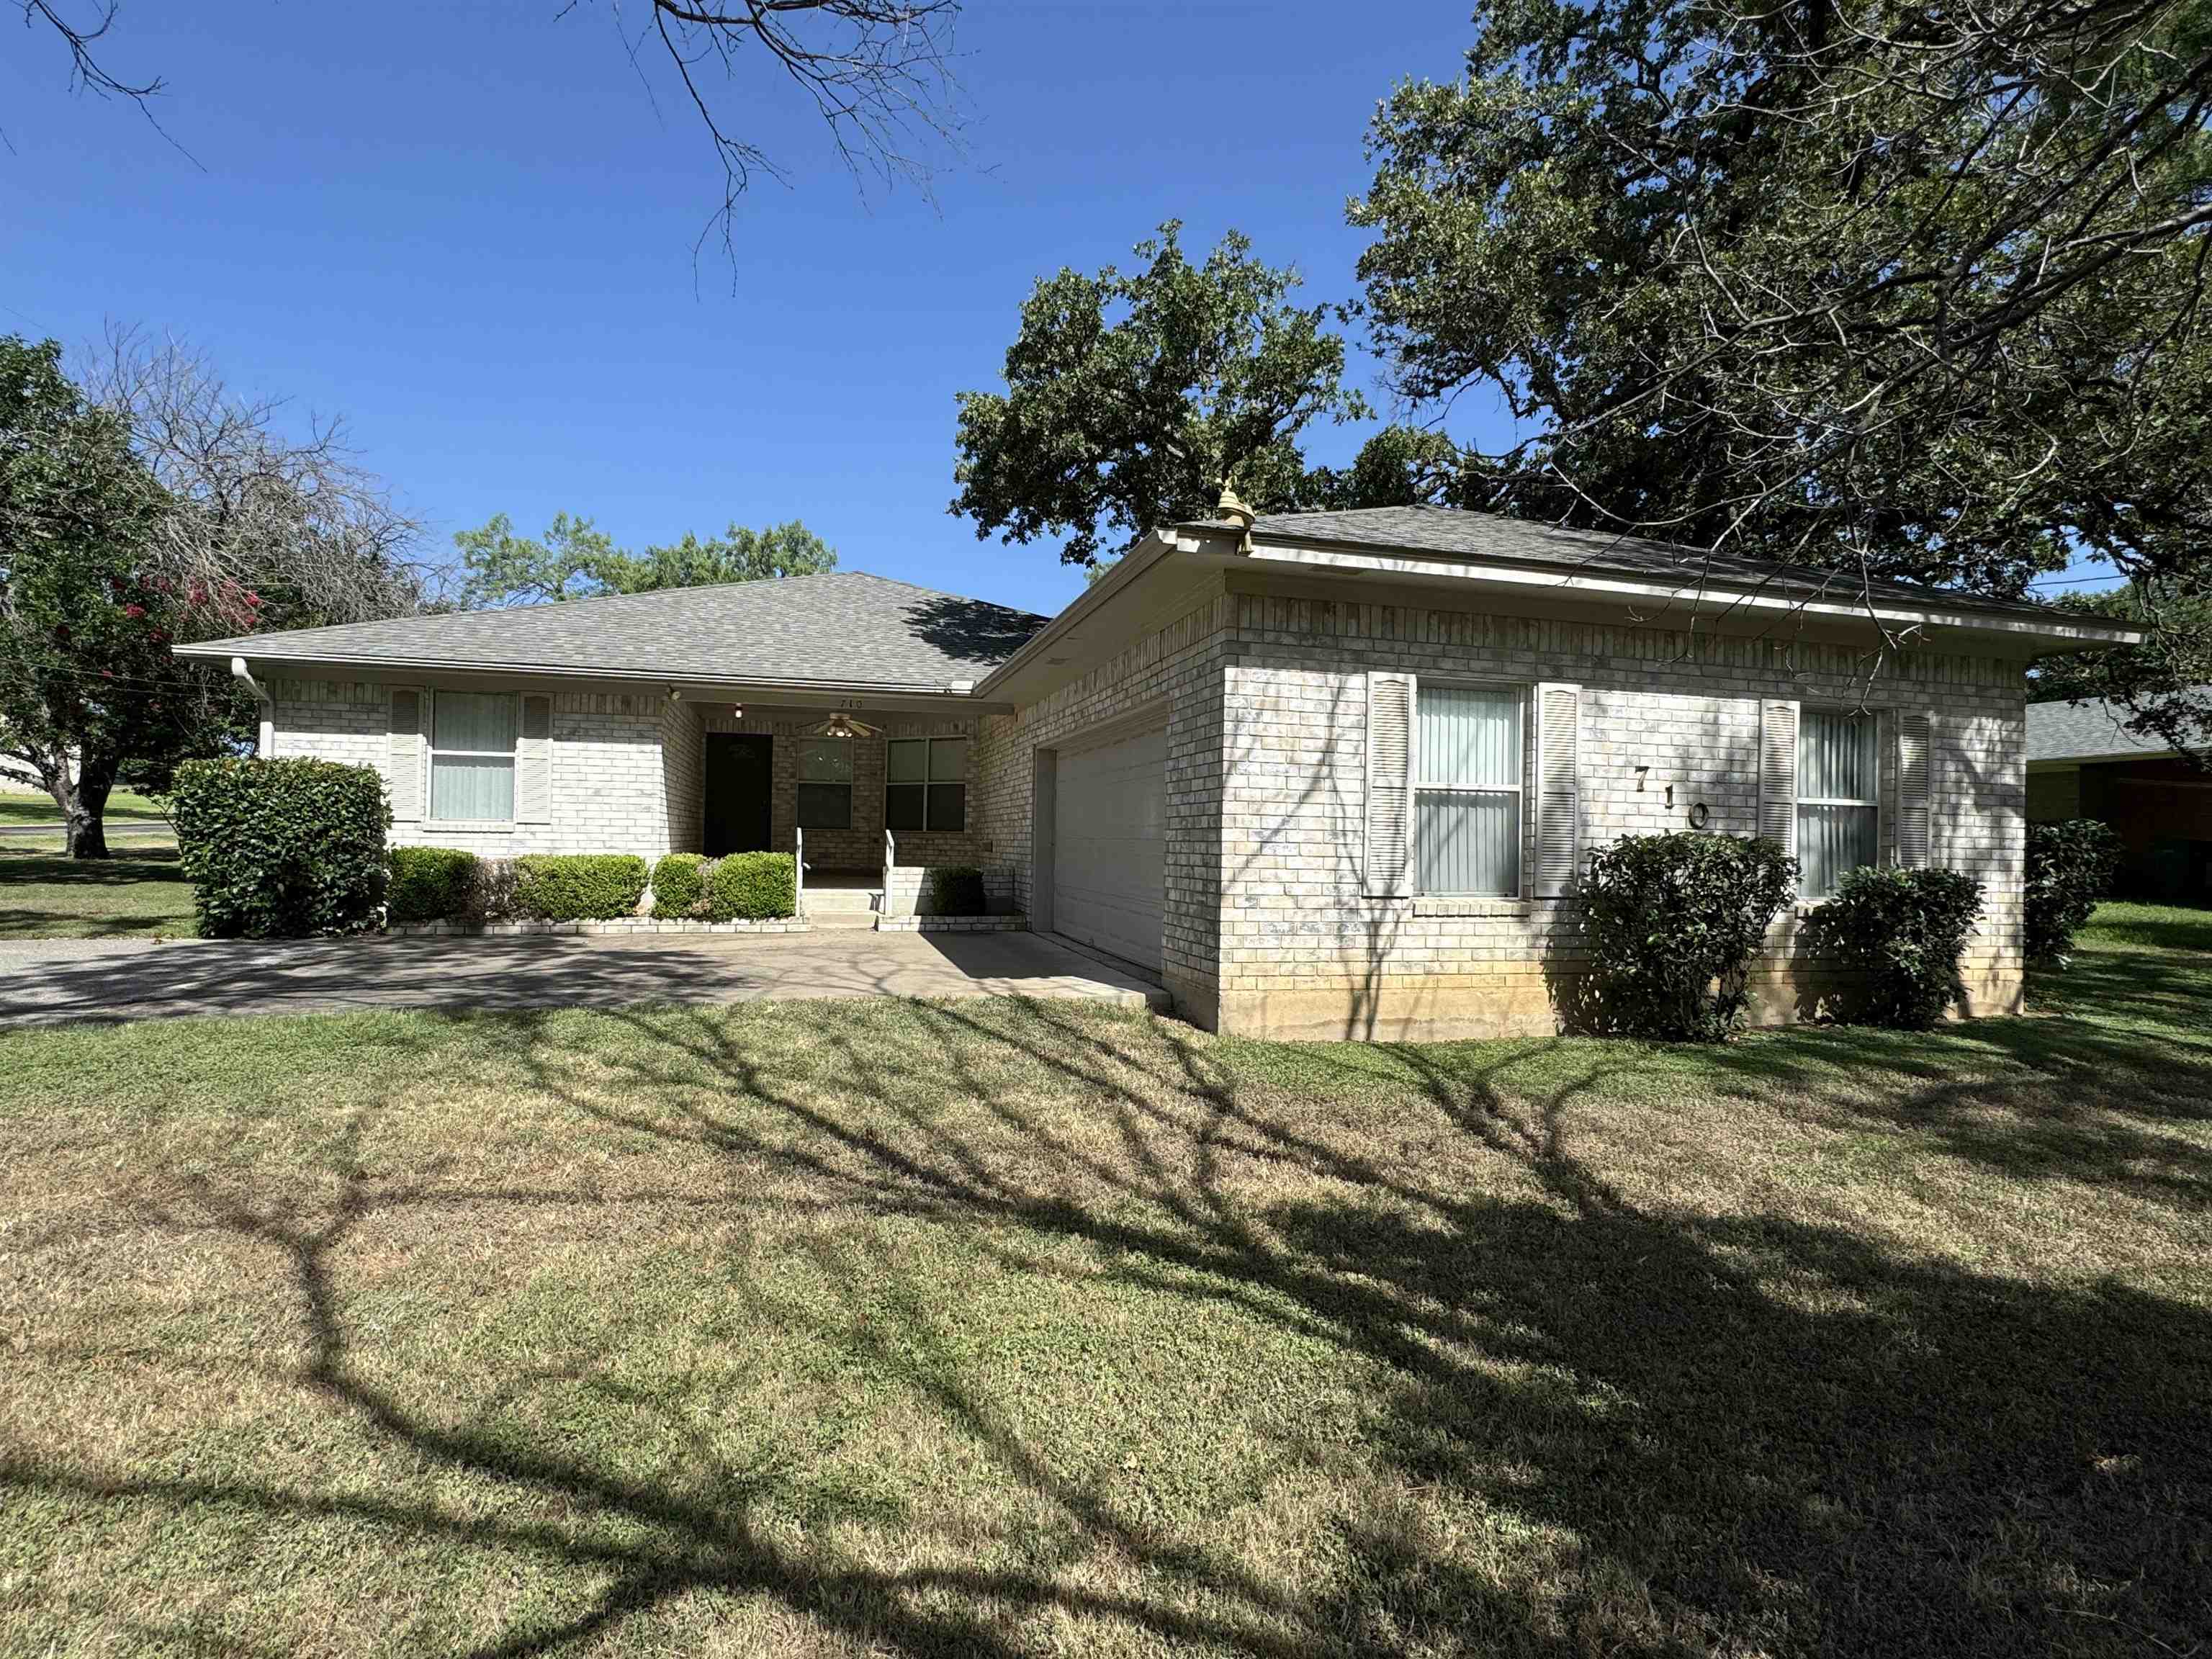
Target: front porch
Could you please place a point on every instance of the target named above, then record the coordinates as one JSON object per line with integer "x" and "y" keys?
{"x": 869, "y": 799}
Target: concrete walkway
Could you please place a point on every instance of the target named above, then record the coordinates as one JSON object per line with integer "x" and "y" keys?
{"x": 48, "y": 981}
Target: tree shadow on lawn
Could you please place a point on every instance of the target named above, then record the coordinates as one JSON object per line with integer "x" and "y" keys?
{"x": 1593, "y": 1428}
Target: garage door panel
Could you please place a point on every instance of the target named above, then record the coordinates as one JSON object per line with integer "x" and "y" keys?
{"x": 1109, "y": 846}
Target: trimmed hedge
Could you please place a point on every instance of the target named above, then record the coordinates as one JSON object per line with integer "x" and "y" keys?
{"x": 281, "y": 849}
{"x": 679, "y": 882}
{"x": 1905, "y": 931}
{"x": 958, "y": 891}
{"x": 429, "y": 883}
{"x": 579, "y": 886}
{"x": 752, "y": 887}
{"x": 1673, "y": 923}
{"x": 2071, "y": 866}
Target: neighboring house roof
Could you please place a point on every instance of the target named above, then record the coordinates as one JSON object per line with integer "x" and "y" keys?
{"x": 844, "y": 627}
{"x": 1458, "y": 533}
{"x": 2088, "y": 730}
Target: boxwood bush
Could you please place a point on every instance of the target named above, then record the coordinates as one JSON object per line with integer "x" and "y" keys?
{"x": 679, "y": 882}
{"x": 281, "y": 849}
{"x": 2071, "y": 866}
{"x": 958, "y": 891}
{"x": 429, "y": 883}
{"x": 579, "y": 886}
{"x": 1900, "y": 933}
{"x": 752, "y": 887}
{"x": 1672, "y": 924}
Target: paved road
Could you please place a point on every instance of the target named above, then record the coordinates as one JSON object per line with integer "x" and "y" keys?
{"x": 48, "y": 981}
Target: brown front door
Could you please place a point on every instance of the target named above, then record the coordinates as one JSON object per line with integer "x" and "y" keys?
{"x": 740, "y": 790}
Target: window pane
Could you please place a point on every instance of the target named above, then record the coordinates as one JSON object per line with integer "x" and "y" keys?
{"x": 473, "y": 720}
{"x": 1835, "y": 756}
{"x": 826, "y": 760}
{"x": 948, "y": 806}
{"x": 1468, "y": 843}
{"x": 1830, "y": 840}
{"x": 825, "y": 806}
{"x": 948, "y": 760}
{"x": 909, "y": 760}
{"x": 471, "y": 787}
{"x": 1471, "y": 738}
{"x": 903, "y": 806}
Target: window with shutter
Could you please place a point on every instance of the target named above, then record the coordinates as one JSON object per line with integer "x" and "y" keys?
{"x": 1467, "y": 760}
{"x": 1389, "y": 766}
{"x": 1838, "y": 803}
{"x": 472, "y": 746}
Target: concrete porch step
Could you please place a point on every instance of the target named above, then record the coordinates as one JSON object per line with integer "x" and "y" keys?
{"x": 831, "y": 920}
{"x": 838, "y": 901}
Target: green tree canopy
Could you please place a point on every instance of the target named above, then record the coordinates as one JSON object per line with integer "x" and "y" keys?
{"x": 1908, "y": 288}
{"x": 87, "y": 612}
{"x": 1131, "y": 396}
{"x": 575, "y": 559}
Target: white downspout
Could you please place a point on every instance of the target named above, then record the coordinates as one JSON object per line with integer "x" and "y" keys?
{"x": 265, "y": 745}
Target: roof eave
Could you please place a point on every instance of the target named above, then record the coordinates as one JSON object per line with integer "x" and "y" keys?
{"x": 1599, "y": 581}
{"x": 223, "y": 650}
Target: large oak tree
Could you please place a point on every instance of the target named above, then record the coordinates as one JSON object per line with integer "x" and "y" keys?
{"x": 1131, "y": 395}
{"x": 1899, "y": 287}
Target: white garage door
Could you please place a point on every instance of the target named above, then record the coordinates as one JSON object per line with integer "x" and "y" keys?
{"x": 1110, "y": 845}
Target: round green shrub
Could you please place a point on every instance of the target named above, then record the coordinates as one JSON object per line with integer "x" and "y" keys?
{"x": 1672, "y": 924}
{"x": 1900, "y": 933}
{"x": 429, "y": 883}
{"x": 958, "y": 891}
{"x": 579, "y": 886}
{"x": 679, "y": 882}
{"x": 752, "y": 887}
{"x": 281, "y": 849}
{"x": 2071, "y": 866}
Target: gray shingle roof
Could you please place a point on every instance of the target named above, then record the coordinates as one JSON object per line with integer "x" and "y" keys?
{"x": 1458, "y": 533}
{"x": 845, "y": 627}
{"x": 2066, "y": 730}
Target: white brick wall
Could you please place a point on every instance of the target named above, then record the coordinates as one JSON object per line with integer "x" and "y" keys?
{"x": 612, "y": 793}
{"x": 1303, "y": 950}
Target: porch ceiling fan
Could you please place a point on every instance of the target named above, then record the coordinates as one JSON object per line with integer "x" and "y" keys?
{"x": 843, "y": 726}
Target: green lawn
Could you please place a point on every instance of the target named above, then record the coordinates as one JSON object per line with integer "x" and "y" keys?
{"x": 987, "y": 1328}
{"x": 137, "y": 892}
{"x": 123, "y": 807}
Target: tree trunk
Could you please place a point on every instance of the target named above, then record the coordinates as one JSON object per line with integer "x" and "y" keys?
{"x": 83, "y": 801}
{"x": 88, "y": 836}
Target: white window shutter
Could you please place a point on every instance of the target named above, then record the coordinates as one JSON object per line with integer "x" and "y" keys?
{"x": 1777, "y": 773}
{"x": 405, "y": 772}
{"x": 1390, "y": 784}
{"x": 1915, "y": 761}
{"x": 533, "y": 762}
{"x": 1558, "y": 788}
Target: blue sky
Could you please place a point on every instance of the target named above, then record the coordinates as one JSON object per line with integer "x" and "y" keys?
{"x": 467, "y": 228}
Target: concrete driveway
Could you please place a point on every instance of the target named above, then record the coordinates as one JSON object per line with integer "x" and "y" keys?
{"x": 48, "y": 982}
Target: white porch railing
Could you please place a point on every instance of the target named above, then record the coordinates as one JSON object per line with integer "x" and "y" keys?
{"x": 798, "y": 870}
{"x": 890, "y": 860}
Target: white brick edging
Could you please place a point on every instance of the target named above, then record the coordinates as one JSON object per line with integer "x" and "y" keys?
{"x": 622, "y": 925}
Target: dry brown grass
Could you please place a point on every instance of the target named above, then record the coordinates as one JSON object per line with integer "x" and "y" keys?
{"x": 987, "y": 1328}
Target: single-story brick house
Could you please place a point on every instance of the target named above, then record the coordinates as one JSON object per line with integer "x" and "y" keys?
{"x": 1325, "y": 774}
{"x": 2082, "y": 761}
